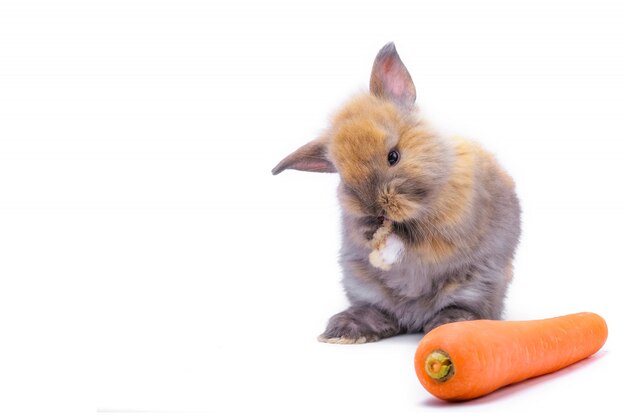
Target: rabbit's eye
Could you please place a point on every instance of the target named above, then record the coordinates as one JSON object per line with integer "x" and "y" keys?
{"x": 393, "y": 157}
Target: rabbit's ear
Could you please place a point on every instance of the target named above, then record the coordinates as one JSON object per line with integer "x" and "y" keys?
{"x": 310, "y": 157}
{"x": 390, "y": 79}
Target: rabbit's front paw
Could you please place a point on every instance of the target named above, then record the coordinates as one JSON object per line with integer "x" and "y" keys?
{"x": 387, "y": 253}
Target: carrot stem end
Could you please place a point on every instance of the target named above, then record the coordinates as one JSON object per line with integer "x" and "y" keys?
{"x": 439, "y": 365}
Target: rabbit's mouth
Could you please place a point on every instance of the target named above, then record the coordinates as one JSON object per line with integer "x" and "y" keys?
{"x": 410, "y": 230}
{"x": 372, "y": 224}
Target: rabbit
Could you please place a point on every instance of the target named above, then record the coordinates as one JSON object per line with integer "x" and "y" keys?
{"x": 450, "y": 205}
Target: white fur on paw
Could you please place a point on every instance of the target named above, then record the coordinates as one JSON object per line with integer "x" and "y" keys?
{"x": 376, "y": 259}
{"x": 392, "y": 250}
{"x": 388, "y": 252}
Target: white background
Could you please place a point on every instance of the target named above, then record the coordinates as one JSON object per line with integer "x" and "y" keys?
{"x": 149, "y": 262}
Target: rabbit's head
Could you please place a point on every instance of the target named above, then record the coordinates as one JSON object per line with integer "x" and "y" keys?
{"x": 390, "y": 163}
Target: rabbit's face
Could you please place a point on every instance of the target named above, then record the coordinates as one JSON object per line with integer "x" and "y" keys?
{"x": 390, "y": 165}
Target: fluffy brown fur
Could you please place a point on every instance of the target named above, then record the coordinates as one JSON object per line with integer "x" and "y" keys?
{"x": 447, "y": 199}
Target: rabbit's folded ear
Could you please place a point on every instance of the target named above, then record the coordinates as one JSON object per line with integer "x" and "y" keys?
{"x": 390, "y": 79}
{"x": 311, "y": 157}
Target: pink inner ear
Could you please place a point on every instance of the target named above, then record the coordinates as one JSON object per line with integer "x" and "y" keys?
{"x": 314, "y": 165}
{"x": 311, "y": 165}
{"x": 394, "y": 77}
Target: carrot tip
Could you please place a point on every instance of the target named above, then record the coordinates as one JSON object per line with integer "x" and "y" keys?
{"x": 439, "y": 366}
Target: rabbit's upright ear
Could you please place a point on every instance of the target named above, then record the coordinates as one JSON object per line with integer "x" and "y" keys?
{"x": 390, "y": 79}
{"x": 311, "y": 157}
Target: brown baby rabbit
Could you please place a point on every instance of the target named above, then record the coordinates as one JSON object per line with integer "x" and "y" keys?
{"x": 430, "y": 224}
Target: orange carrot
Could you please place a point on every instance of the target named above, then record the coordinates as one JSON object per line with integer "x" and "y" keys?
{"x": 465, "y": 360}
